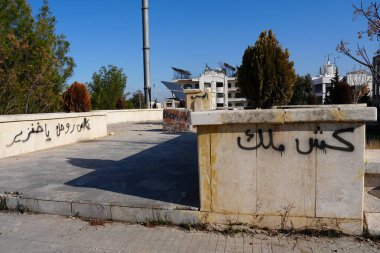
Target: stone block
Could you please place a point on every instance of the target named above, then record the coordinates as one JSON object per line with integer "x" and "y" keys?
{"x": 285, "y": 179}
{"x": 204, "y": 166}
{"x": 55, "y": 207}
{"x": 358, "y": 114}
{"x": 177, "y": 120}
{"x": 205, "y": 118}
{"x": 139, "y": 215}
{"x": 27, "y": 204}
{"x": 371, "y": 204}
{"x": 373, "y": 223}
{"x": 92, "y": 210}
{"x": 372, "y": 161}
{"x": 233, "y": 170}
{"x": 305, "y": 115}
{"x": 340, "y": 173}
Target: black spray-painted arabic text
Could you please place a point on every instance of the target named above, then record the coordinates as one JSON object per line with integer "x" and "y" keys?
{"x": 314, "y": 143}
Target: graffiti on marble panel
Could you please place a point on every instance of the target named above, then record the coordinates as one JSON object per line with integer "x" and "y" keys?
{"x": 61, "y": 129}
{"x": 323, "y": 145}
{"x": 313, "y": 143}
{"x": 280, "y": 148}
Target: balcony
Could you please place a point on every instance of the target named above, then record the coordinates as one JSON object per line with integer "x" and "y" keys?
{"x": 220, "y": 89}
{"x": 220, "y": 100}
{"x": 236, "y": 100}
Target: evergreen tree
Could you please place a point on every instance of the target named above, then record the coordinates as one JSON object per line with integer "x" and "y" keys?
{"x": 302, "y": 91}
{"x": 332, "y": 94}
{"x": 138, "y": 100}
{"x": 266, "y": 75}
{"x": 34, "y": 65}
{"x": 107, "y": 87}
{"x": 340, "y": 92}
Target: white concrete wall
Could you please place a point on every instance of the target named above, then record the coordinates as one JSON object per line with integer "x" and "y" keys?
{"x": 27, "y": 133}
{"x": 139, "y": 115}
{"x": 306, "y": 165}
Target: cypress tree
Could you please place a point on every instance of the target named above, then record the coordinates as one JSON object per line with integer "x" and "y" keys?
{"x": 266, "y": 75}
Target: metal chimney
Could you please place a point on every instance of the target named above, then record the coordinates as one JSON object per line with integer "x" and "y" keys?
{"x": 146, "y": 50}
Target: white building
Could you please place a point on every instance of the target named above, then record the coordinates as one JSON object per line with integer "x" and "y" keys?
{"x": 321, "y": 83}
{"x": 359, "y": 78}
{"x": 375, "y": 84}
{"x": 223, "y": 87}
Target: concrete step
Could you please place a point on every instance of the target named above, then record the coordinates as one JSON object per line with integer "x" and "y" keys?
{"x": 373, "y": 223}
{"x": 372, "y": 191}
{"x": 372, "y": 161}
{"x": 131, "y": 214}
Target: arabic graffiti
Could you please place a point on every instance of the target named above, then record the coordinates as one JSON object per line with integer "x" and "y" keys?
{"x": 250, "y": 135}
{"x": 59, "y": 128}
{"x": 313, "y": 142}
{"x": 177, "y": 115}
{"x": 322, "y": 145}
{"x": 205, "y": 96}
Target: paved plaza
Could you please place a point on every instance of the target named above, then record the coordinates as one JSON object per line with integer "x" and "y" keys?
{"x": 45, "y": 233}
{"x": 137, "y": 165}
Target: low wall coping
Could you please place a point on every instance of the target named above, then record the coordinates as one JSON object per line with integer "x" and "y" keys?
{"x": 48, "y": 116}
{"x": 330, "y": 114}
{"x": 128, "y": 110}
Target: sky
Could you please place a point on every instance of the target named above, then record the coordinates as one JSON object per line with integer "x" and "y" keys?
{"x": 189, "y": 34}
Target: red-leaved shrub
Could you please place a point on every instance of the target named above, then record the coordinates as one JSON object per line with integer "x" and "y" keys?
{"x": 77, "y": 98}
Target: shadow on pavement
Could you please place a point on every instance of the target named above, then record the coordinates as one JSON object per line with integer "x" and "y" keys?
{"x": 166, "y": 172}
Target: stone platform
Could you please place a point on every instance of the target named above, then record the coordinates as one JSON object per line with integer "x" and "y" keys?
{"x": 284, "y": 168}
{"x": 137, "y": 173}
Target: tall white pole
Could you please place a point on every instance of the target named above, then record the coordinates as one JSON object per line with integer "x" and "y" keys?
{"x": 146, "y": 50}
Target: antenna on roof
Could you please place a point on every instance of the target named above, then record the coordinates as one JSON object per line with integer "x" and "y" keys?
{"x": 208, "y": 68}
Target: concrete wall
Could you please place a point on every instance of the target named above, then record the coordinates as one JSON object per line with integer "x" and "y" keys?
{"x": 283, "y": 168}
{"x": 27, "y": 133}
{"x": 139, "y": 115}
{"x": 177, "y": 121}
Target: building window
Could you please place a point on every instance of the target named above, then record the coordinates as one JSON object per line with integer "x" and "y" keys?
{"x": 229, "y": 105}
{"x": 229, "y": 95}
{"x": 318, "y": 88}
{"x": 239, "y": 95}
{"x": 188, "y": 86}
{"x": 229, "y": 85}
{"x": 219, "y": 105}
{"x": 196, "y": 86}
{"x": 207, "y": 85}
{"x": 219, "y": 85}
{"x": 220, "y": 95}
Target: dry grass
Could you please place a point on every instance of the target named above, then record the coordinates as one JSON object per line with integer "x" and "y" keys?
{"x": 373, "y": 144}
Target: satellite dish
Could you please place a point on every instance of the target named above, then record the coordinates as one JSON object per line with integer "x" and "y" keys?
{"x": 183, "y": 73}
{"x": 229, "y": 67}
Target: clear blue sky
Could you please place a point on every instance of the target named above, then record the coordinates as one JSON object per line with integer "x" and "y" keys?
{"x": 190, "y": 33}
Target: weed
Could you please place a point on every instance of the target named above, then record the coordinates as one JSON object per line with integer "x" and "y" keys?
{"x": 158, "y": 220}
{"x": 96, "y": 222}
{"x": 284, "y": 213}
{"x": 196, "y": 226}
{"x": 373, "y": 144}
{"x": 3, "y": 204}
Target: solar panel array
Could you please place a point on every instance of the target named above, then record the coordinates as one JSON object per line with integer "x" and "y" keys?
{"x": 175, "y": 89}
